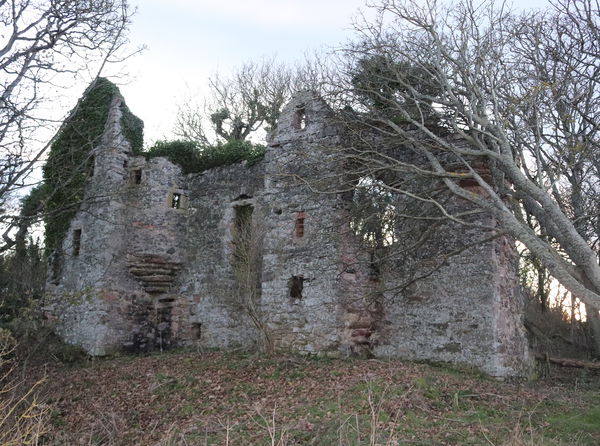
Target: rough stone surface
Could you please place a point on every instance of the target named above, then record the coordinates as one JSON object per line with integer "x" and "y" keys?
{"x": 149, "y": 276}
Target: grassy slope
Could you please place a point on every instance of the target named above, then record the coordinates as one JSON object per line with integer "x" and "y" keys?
{"x": 189, "y": 398}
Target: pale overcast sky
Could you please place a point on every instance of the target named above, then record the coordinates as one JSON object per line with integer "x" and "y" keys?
{"x": 188, "y": 40}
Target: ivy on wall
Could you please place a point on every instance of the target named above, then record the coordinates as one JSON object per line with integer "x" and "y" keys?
{"x": 70, "y": 160}
{"x": 193, "y": 158}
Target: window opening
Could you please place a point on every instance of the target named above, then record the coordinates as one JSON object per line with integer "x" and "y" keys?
{"x": 196, "y": 330}
{"x": 176, "y": 200}
{"x": 468, "y": 183}
{"x": 246, "y": 259}
{"x": 242, "y": 234}
{"x": 91, "y": 165}
{"x": 300, "y": 119}
{"x": 76, "y": 242}
{"x": 296, "y": 285}
{"x": 125, "y": 164}
{"x": 137, "y": 176}
{"x": 299, "y": 226}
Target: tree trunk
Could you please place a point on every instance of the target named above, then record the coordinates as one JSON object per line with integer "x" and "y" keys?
{"x": 594, "y": 320}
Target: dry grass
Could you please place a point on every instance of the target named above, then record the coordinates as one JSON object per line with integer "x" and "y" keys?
{"x": 23, "y": 419}
{"x": 212, "y": 398}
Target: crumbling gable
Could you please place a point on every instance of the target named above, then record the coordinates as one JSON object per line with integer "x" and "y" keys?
{"x": 265, "y": 255}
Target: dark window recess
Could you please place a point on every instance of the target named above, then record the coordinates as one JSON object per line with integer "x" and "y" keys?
{"x": 242, "y": 234}
{"x": 76, "y": 242}
{"x": 468, "y": 182}
{"x": 176, "y": 200}
{"x": 125, "y": 164}
{"x": 300, "y": 119}
{"x": 56, "y": 263}
{"x": 91, "y": 165}
{"x": 246, "y": 258}
{"x": 296, "y": 285}
{"x": 374, "y": 271}
{"x": 196, "y": 330}
{"x": 299, "y": 226}
{"x": 136, "y": 176}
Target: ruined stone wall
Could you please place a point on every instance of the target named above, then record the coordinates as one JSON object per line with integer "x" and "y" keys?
{"x": 158, "y": 262}
{"x": 94, "y": 249}
{"x": 122, "y": 253}
{"x": 301, "y": 256}
{"x": 208, "y": 277}
{"x": 464, "y": 308}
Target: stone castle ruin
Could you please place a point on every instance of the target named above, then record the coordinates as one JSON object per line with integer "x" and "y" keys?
{"x": 252, "y": 255}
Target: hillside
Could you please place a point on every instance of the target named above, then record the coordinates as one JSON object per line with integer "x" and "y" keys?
{"x": 215, "y": 398}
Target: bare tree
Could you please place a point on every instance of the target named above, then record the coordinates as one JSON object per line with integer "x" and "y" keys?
{"x": 247, "y": 102}
{"x": 476, "y": 95}
{"x": 43, "y": 46}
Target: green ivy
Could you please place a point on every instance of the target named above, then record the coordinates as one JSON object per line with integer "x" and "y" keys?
{"x": 69, "y": 161}
{"x": 133, "y": 129}
{"x": 193, "y": 158}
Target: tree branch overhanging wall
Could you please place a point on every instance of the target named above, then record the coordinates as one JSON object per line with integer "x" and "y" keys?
{"x": 462, "y": 86}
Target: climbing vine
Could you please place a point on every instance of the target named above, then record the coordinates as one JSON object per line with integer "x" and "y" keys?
{"x": 193, "y": 158}
{"x": 70, "y": 160}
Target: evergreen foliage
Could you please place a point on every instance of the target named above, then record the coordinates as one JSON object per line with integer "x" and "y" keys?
{"x": 386, "y": 86}
{"x": 194, "y": 158}
{"x": 22, "y": 277}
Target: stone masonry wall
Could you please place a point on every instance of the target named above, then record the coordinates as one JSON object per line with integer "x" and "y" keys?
{"x": 158, "y": 262}
{"x": 464, "y": 309}
{"x": 208, "y": 278}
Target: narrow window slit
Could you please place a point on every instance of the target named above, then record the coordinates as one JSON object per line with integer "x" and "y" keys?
{"x": 242, "y": 235}
{"x": 176, "y": 200}
{"x": 76, "y": 242}
{"x": 91, "y": 165}
{"x": 299, "y": 226}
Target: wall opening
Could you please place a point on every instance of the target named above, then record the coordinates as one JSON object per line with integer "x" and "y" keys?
{"x": 76, "y": 242}
{"x": 175, "y": 200}
{"x": 196, "y": 329}
{"x": 91, "y": 165}
{"x": 468, "y": 183}
{"x": 242, "y": 234}
{"x": 246, "y": 260}
{"x": 125, "y": 164}
{"x": 296, "y": 285}
{"x": 374, "y": 213}
{"x": 299, "y": 225}
{"x": 299, "y": 122}
{"x": 136, "y": 176}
